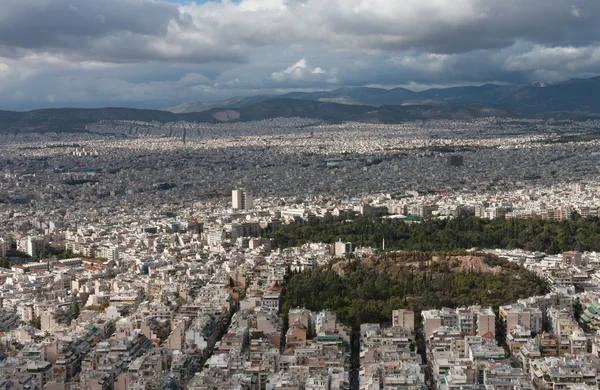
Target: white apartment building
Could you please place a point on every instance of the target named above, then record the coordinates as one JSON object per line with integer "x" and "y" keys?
{"x": 242, "y": 200}
{"x": 33, "y": 246}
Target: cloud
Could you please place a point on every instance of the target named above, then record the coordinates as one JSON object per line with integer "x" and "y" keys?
{"x": 575, "y": 11}
{"x": 150, "y": 52}
{"x": 4, "y": 69}
{"x": 561, "y": 58}
{"x": 429, "y": 62}
{"x": 144, "y": 30}
{"x": 300, "y": 71}
{"x": 114, "y": 31}
{"x": 79, "y": 87}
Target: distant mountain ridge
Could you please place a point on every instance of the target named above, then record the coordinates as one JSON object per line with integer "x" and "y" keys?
{"x": 75, "y": 120}
{"x": 575, "y": 94}
{"x": 573, "y": 99}
{"x": 234, "y": 102}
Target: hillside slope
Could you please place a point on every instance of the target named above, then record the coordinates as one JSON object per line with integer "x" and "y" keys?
{"x": 74, "y": 120}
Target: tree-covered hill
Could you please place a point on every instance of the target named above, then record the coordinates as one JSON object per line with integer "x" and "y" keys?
{"x": 367, "y": 290}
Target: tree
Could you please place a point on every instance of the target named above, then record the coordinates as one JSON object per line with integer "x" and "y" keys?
{"x": 83, "y": 297}
{"x": 36, "y": 322}
{"x": 582, "y": 234}
{"x": 103, "y": 306}
{"x": 75, "y": 309}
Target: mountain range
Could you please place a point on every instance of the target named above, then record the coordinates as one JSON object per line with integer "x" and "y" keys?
{"x": 575, "y": 94}
{"x": 575, "y": 99}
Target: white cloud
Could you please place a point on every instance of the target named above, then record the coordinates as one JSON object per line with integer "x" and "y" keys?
{"x": 555, "y": 61}
{"x": 299, "y": 71}
{"x": 4, "y": 69}
{"x": 193, "y": 78}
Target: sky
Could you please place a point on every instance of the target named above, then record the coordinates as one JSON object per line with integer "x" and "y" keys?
{"x": 156, "y": 54}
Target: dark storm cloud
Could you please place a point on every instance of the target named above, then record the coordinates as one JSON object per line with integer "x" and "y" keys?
{"x": 464, "y": 25}
{"x": 105, "y": 30}
{"x": 46, "y": 24}
{"x": 142, "y": 51}
{"x": 143, "y": 29}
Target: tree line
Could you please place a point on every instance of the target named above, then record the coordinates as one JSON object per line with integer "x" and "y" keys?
{"x": 548, "y": 236}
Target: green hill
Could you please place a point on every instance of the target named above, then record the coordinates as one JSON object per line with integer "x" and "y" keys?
{"x": 367, "y": 290}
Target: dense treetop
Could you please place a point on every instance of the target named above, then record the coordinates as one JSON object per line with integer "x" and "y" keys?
{"x": 444, "y": 235}
{"x": 367, "y": 290}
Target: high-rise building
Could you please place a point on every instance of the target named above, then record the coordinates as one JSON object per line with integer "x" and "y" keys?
{"x": 242, "y": 200}
{"x": 236, "y": 199}
{"x": 248, "y": 200}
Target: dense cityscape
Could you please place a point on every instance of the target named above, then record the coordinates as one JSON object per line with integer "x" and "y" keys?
{"x": 144, "y": 256}
{"x": 299, "y": 195}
